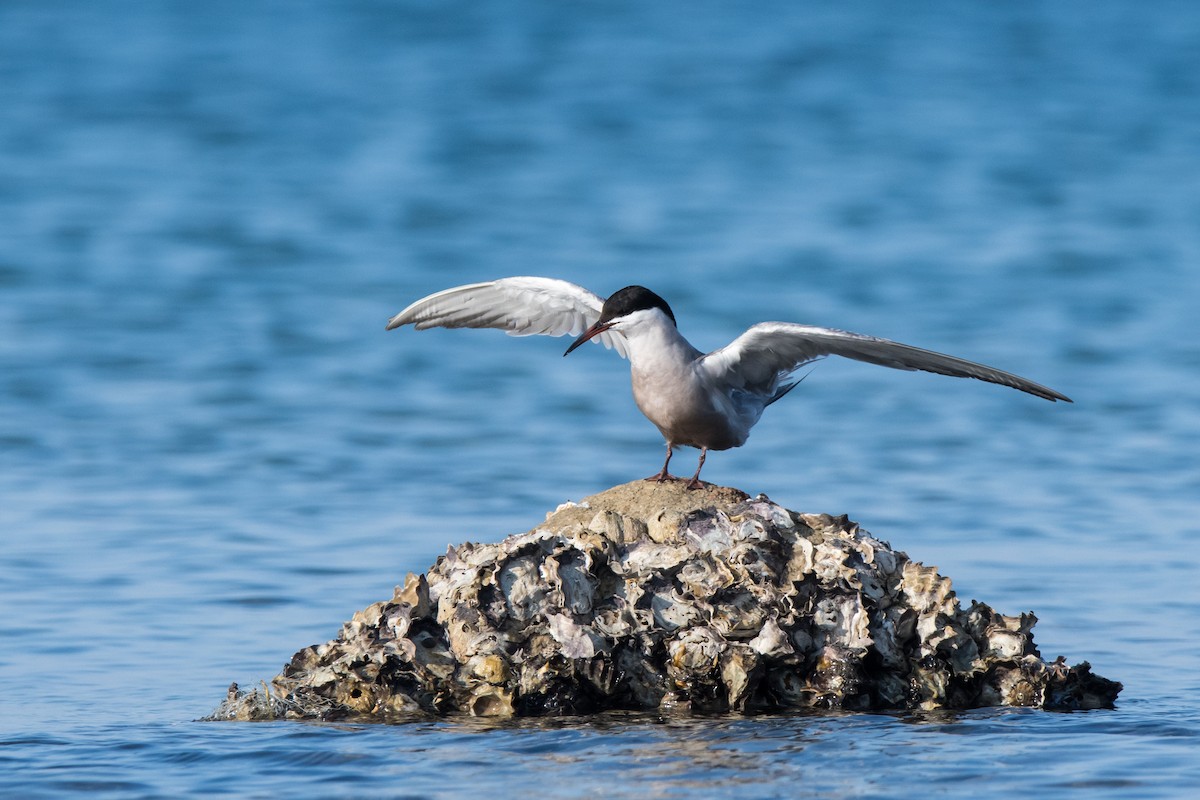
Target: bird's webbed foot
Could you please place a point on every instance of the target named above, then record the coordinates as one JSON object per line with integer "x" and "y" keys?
{"x": 695, "y": 482}
{"x": 663, "y": 475}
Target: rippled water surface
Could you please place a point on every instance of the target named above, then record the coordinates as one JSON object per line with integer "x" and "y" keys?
{"x": 211, "y": 453}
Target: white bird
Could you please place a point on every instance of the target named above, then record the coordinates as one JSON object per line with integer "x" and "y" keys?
{"x": 709, "y": 401}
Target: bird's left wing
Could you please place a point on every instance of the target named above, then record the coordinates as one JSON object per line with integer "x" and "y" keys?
{"x": 770, "y": 350}
{"x": 522, "y": 306}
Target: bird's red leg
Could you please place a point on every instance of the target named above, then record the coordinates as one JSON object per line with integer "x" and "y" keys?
{"x": 695, "y": 482}
{"x": 664, "y": 475}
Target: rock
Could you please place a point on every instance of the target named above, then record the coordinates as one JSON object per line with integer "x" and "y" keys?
{"x": 649, "y": 596}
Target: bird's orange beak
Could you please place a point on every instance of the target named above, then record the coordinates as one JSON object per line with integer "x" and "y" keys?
{"x": 595, "y": 330}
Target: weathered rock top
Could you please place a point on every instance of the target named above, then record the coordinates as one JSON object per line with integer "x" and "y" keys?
{"x": 652, "y": 596}
{"x": 645, "y": 501}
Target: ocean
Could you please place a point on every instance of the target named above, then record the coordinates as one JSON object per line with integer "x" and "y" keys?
{"x": 212, "y": 453}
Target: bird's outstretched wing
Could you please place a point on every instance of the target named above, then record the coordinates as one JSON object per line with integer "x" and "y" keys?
{"x": 523, "y": 306}
{"x": 765, "y": 353}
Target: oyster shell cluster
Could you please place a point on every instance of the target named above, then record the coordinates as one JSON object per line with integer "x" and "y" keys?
{"x": 648, "y": 596}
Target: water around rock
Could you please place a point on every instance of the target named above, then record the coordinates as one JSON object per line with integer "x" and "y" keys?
{"x": 649, "y": 596}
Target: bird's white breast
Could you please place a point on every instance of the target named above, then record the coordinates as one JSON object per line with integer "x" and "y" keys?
{"x": 680, "y": 399}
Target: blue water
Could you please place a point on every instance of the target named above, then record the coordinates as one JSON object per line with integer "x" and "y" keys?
{"x": 211, "y": 453}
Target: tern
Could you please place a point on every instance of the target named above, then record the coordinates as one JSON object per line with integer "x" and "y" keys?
{"x": 705, "y": 400}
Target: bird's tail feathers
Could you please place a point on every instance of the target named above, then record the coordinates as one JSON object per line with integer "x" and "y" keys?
{"x": 787, "y": 387}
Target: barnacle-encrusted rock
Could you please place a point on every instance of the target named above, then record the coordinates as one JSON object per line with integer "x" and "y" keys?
{"x": 649, "y": 596}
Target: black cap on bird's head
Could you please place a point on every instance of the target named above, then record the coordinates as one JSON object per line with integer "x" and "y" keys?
{"x": 630, "y": 299}
{"x": 620, "y": 304}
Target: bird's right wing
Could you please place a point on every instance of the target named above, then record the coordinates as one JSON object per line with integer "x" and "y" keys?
{"x": 769, "y": 351}
{"x": 523, "y": 306}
